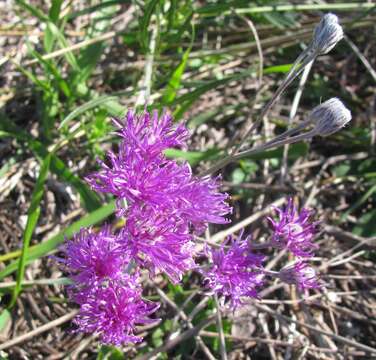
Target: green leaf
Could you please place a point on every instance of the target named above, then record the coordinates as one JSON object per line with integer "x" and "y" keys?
{"x": 55, "y": 9}
{"x": 157, "y": 337}
{"x": 359, "y": 202}
{"x": 238, "y": 176}
{"x": 174, "y": 83}
{"x": 366, "y": 224}
{"x": 32, "y": 219}
{"x": 110, "y": 353}
{"x": 5, "y": 317}
{"x": 88, "y": 197}
{"x": 193, "y": 157}
{"x": 45, "y": 247}
{"x": 278, "y": 69}
{"x": 42, "y": 84}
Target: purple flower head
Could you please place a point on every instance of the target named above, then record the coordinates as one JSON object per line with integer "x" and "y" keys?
{"x": 113, "y": 310}
{"x": 201, "y": 202}
{"x": 140, "y": 173}
{"x": 150, "y": 134}
{"x": 158, "y": 241}
{"x": 92, "y": 257}
{"x": 294, "y": 231}
{"x": 301, "y": 275}
{"x": 235, "y": 271}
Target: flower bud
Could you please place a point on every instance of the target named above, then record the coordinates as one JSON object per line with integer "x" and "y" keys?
{"x": 326, "y": 34}
{"x": 301, "y": 275}
{"x": 330, "y": 117}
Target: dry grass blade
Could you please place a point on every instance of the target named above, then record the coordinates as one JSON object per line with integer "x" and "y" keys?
{"x": 38, "y": 331}
{"x": 338, "y": 338}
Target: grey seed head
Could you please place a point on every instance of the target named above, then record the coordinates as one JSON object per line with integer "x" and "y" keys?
{"x": 330, "y": 117}
{"x": 327, "y": 34}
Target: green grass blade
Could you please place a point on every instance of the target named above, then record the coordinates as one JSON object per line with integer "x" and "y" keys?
{"x": 149, "y": 9}
{"x": 174, "y": 83}
{"x": 54, "y": 12}
{"x": 32, "y": 219}
{"x": 32, "y": 10}
{"x": 185, "y": 101}
{"x": 89, "y": 56}
{"x": 193, "y": 157}
{"x": 51, "y": 244}
{"x": 43, "y": 85}
{"x": 99, "y": 6}
{"x": 89, "y": 198}
{"x": 51, "y": 69}
{"x": 69, "y": 56}
{"x": 85, "y": 107}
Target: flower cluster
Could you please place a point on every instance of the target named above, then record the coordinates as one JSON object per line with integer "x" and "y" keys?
{"x": 237, "y": 272}
{"x": 164, "y": 205}
{"x": 294, "y": 231}
{"x": 142, "y": 175}
{"x": 110, "y": 299}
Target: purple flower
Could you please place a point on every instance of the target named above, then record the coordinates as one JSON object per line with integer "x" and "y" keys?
{"x": 294, "y": 231}
{"x": 158, "y": 241}
{"x": 141, "y": 174}
{"x": 92, "y": 257}
{"x": 235, "y": 271}
{"x": 301, "y": 275}
{"x": 149, "y": 135}
{"x": 113, "y": 310}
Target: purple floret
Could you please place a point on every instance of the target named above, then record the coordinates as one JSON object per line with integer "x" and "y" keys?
{"x": 159, "y": 242}
{"x": 92, "y": 257}
{"x": 294, "y": 231}
{"x": 235, "y": 271}
{"x": 113, "y": 310}
{"x": 301, "y": 275}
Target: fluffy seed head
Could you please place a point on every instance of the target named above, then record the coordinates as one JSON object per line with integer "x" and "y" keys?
{"x": 327, "y": 34}
{"x": 330, "y": 117}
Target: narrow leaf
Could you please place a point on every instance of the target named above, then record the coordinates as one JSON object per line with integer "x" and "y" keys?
{"x": 32, "y": 219}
